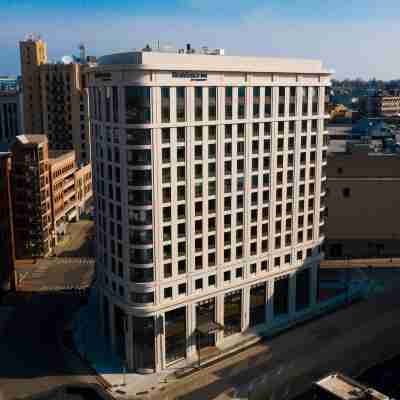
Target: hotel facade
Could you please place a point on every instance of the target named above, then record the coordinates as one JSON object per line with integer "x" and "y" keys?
{"x": 209, "y": 177}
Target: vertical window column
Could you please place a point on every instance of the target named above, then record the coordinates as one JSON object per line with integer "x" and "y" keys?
{"x": 198, "y": 103}
{"x": 165, "y": 105}
{"x": 268, "y": 102}
{"x": 228, "y": 102}
{"x": 181, "y": 104}
{"x": 212, "y": 103}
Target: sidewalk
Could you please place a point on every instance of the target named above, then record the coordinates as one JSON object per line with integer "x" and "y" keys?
{"x": 361, "y": 263}
{"x": 5, "y": 314}
{"x": 91, "y": 347}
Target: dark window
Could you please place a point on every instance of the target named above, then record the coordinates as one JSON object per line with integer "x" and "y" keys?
{"x": 137, "y": 103}
{"x": 258, "y": 297}
{"x": 233, "y": 312}
{"x": 175, "y": 334}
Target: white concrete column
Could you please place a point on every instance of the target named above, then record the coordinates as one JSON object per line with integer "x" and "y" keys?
{"x": 159, "y": 333}
{"x": 245, "y": 307}
{"x": 190, "y": 329}
{"x": 219, "y": 316}
{"x": 270, "y": 302}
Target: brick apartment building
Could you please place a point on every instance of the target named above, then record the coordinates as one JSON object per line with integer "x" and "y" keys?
{"x": 44, "y": 194}
{"x": 7, "y": 278}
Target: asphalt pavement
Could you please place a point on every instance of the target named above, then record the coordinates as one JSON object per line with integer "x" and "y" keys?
{"x": 33, "y": 359}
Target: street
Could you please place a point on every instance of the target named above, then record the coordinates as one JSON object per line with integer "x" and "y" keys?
{"x": 349, "y": 340}
{"x": 32, "y": 357}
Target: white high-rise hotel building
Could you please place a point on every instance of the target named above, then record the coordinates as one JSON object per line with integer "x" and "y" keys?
{"x": 210, "y": 182}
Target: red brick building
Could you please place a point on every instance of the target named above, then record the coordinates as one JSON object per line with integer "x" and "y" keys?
{"x": 7, "y": 251}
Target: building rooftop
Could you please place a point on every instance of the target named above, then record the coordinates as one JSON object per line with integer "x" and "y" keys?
{"x": 8, "y": 93}
{"x": 58, "y": 155}
{"x": 345, "y": 388}
{"x": 32, "y": 139}
{"x": 157, "y": 60}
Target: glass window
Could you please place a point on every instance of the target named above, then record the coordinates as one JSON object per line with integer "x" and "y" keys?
{"x": 228, "y": 103}
{"x": 198, "y": 103}
{"x": 268, "y": 102}
{"x": 137, "y": 104}
{"x": 139, "y": 157}
{"x": 205, "y": 313}
{"x": 115, "y": 103}
{"x": 142, "y": 275}
{"x": 212, "y": 103}
{"x": 241, "y": 111}
{"x": 143, "y": 342}
{"x": 180, "y": 104}
{"x": 256, "y": 102}
{"x": 140, "y": 217}
{"x": 138, "y": 137}
{"x": 140, "y": 197}
{"x": 258, "y": 300}
{"x": 165, "y": 104}
{"x": 232, "y": 312}
{"x": 175, "y": 334}
{"x": 302, "y": 288}
{"x": 281, "y": 295}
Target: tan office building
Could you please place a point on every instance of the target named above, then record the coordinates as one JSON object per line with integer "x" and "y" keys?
{"x": 363, "y": 218}
{"x": 55, "y": 99}
{"x": 208, "y": 177}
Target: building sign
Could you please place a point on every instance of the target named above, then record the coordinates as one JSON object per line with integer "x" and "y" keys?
{"x": 105, "y": 76}
{"x": 192, "y": 75}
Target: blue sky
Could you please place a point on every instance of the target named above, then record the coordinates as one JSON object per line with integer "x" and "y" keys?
{"x": 356, "y": 38}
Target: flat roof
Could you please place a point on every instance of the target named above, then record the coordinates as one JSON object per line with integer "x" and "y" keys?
{"x": 174, "y": 61}
{"x": 345, "y": 388}
{"x": 57, "y": 155}
{"x": 31, "y": 139}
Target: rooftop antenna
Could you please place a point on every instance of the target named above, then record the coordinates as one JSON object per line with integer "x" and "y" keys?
{"x": 82, "y": 52}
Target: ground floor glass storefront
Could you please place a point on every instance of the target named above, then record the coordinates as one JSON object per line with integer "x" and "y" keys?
{"x": 120, "y": 327}
{"x": 281, "y": 295}
{"x": 175, "y": 334}
{"x": 205, "y": 316}
{"x": 143, "y": 344}
{"x": 258, "y": 300}
{"x": 233, "y": 312}
{"x": 303, "y": 286}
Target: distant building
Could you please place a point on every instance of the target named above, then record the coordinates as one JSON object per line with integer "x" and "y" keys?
{"x": 380, "y": 105}
{"x": 44, "y": 194}
{"x": 10, "y": 116}
{"x": 7, "y": 250}
{"x": 363, "y": 198}
{"x": 9, "y": 83}
{"x": 55, "y": 98}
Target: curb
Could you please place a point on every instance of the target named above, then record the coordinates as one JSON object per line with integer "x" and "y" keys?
{"x": 75, "y": 353}
{"x": 262, "y": 338}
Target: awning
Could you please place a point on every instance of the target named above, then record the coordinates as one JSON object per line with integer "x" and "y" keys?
{"x": 207, "y": 328}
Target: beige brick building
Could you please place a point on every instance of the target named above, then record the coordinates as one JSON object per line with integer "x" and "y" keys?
{"x": 55, "y": 99}
{"x": 363, "y": 218}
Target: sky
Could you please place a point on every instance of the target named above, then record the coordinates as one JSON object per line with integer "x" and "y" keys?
{"x": 355, "y": 38}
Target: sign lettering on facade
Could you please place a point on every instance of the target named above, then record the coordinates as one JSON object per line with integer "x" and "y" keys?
{"x": 192, "y": 75}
